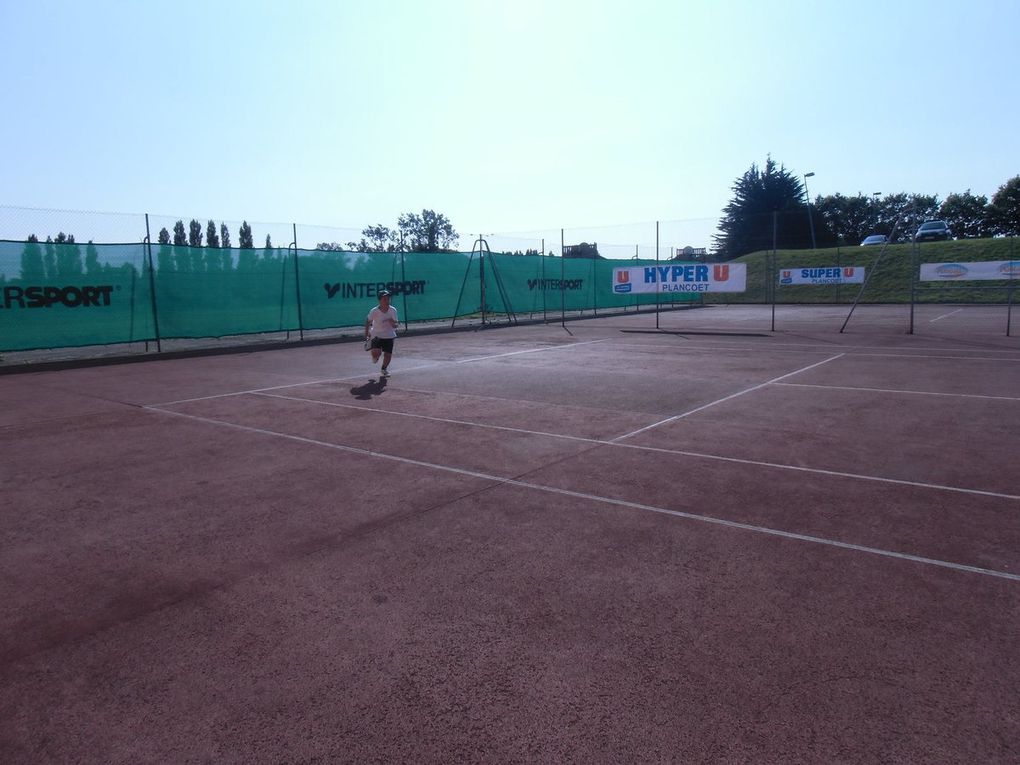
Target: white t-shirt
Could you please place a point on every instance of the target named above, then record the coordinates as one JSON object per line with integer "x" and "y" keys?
{"x": 383, "y": 323}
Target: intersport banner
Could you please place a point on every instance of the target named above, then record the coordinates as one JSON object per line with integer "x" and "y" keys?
{"x": 718, "y": 277}
{"x": 827, "y": 275}
{"x": 985, "y": 270}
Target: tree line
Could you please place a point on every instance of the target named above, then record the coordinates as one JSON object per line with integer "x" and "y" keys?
{"x": 772, "y": 194}
{"x": 428, "y": 232}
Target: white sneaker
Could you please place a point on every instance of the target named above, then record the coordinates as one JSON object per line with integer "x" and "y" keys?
{"x": 384, "y": 372}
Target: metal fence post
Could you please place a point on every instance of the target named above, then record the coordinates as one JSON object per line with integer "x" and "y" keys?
{"x": 297, "y": 287}
{"x": 152, "y": 286}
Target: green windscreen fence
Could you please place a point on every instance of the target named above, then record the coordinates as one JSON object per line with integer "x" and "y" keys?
{"x": 61, "y": 295}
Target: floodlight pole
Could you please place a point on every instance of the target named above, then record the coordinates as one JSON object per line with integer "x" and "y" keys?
{"x": 811, "y": 220}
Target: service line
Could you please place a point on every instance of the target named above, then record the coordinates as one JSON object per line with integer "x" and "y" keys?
{"x": 503, "y": 481}
{"x": 727, "y": 398}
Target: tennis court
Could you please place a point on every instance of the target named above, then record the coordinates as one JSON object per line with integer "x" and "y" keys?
{"x": 596, "y": 541}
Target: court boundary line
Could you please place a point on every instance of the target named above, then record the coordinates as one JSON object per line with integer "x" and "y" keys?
{"x": 501, "y": 481}
{"x": 726, "y": 398}
{"x": 950, "y": 313}
{"x": 427, "y": 365}
{"x": 892, "y": 390}
{"x": 658, "y": 449}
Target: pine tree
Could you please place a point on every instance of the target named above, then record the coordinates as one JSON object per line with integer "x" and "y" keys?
{"x": 246, "y": 242}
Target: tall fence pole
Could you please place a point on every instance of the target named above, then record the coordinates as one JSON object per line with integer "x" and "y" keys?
{"x": 403, "y": 287}
{"x": 544, "y": 317}
{"x": 563, "y": 305}
{"x": 770, "y": 277}
{"x": 1012, "y": 281}
{"x": 297, "y": 287}
{"x": 870, "y": 273}
{"x": 481, "y": 275}
{"x": 913, "y": 284}
{"x": 658, "y": 286}
{"x": 152, "y": 286}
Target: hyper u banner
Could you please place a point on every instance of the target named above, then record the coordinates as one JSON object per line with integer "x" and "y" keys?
{"x": 827, "y": 275}
{"x": 718, "y": 277}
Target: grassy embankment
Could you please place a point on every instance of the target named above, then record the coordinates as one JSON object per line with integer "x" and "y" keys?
{"x": 890, "y": 283}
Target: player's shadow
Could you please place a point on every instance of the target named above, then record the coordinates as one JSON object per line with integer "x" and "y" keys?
{"x": 368, "y": 390}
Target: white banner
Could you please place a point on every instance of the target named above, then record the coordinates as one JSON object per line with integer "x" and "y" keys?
{"x": 828, "y": 275}
{"x": 718, "y": 277}
{"x": 983, "y": 270}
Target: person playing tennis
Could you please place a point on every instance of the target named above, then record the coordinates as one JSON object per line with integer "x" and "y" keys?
{"x": 381, "y": 331}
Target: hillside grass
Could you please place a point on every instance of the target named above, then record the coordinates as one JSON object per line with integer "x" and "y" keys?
{"x": 890, "y": 283}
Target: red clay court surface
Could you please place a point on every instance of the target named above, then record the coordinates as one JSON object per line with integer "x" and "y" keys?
{"x": 590, "y": 543}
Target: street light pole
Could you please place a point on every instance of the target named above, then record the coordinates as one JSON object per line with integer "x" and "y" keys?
{"x": 811, "y": 221}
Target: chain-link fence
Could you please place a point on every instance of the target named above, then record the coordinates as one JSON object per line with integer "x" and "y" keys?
{"x": 105, "y": 278}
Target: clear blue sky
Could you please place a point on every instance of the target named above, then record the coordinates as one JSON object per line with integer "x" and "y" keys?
{"x": 525, "y": 115}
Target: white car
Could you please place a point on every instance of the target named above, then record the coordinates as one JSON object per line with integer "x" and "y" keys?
{"x": 874, "y": 239}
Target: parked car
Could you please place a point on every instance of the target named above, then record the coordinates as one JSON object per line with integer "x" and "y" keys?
{"x": 932, "y": 230}
{"x": 874, "y": 239}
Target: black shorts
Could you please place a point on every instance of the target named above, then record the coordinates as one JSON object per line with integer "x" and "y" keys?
{"x": 385, "y": 344}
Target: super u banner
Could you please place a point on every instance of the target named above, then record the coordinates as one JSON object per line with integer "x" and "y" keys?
{"x": 827, "y": 275}
{"x": 719, "y": 277}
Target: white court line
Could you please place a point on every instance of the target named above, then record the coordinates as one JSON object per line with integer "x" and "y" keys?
{"x": 361, "y": 376}
{"x": 499, "y": 480}
{"x": 529, "y": 350}
{"x": 274, "y": 387}
{"x": 445, "y": 420}
{"x": 728, "y": 398}
{"x": 890, "y": 390}
{"x": 855, "y": 350}
{"x": 659, "y": 450}
{"x": 930, "y": 321}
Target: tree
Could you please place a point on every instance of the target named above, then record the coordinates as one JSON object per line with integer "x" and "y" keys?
{"x": 1004, "y": 210}
{"x": 49, "y": 258}
{"x": 92, "y": 266}
{"x": 269, "y": 242}
{"x": 245, "y": 239}
{"x": 966, "y": 214}
{"x": 164, "y": 236}
{"x": 850, "y": 219}
{"x": 226, "y": 256}
{"x": 32, "y": 266}
{"x": 195, "y": 234}
{"x": 428, "y": 232}
{"x": 212, "y": 239}
{"x": 746, "y": 225}
{"x": 910, "y": 211}
{"x": 180, "y": 240}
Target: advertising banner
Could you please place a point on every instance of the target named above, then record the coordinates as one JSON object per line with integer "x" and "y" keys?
{"x": 828, "y": 275}
{"x": 986, "y": 270}
{"x": 718, "y": 277}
